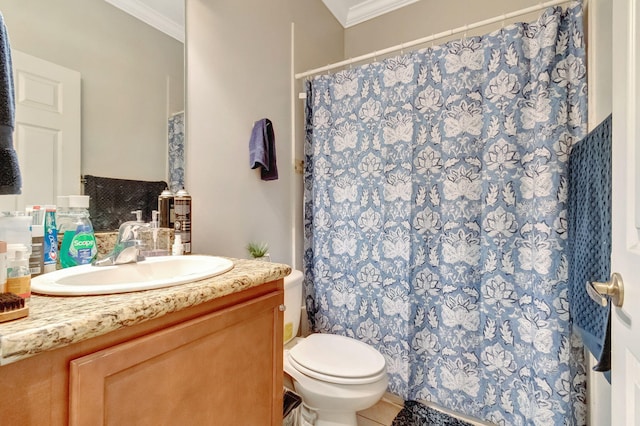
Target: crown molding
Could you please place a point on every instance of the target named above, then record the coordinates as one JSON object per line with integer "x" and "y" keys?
{"x": 339, "y": 9}
{"x": 350, "y": 13}
{"x": 151, "y": 17}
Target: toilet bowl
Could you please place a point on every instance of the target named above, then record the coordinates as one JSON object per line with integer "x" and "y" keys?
{"x": 336, "y": 376}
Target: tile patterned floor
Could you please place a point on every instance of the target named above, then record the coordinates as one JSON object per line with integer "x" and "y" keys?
{"x": 382, "y": 413}
{"x": 388, "y": 407}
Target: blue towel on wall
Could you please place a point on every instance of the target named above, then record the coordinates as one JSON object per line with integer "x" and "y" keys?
{"x": 10, "y": 179}
{"x": 589, "y": 222}
{"x": 262, "y": 149}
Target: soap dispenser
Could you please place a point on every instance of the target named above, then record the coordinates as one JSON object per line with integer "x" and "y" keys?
{"x": 138, "y": 214}
{"x": 155, "y": 227}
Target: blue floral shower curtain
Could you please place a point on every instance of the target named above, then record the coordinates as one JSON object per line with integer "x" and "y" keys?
{"x": 176, "y": 152}
{"x": 435, "y": 218}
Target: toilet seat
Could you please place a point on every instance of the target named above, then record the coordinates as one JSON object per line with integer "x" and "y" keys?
{"x": 337, "y": 359}
{"x": 336, "y": 379}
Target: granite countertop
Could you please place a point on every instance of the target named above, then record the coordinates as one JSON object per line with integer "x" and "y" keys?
{"x": 56, "y": 321}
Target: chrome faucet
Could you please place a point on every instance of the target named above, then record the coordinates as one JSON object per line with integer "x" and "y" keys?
{"x": 128, "y": 244}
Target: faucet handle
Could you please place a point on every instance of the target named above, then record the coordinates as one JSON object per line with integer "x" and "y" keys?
{"x": 129, "y": 253}
{"x": 124, "y": 252}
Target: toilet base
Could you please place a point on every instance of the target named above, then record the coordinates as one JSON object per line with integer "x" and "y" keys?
{"x": 328, "y": 418}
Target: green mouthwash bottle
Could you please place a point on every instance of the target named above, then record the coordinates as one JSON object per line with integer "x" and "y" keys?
{"x": 74, "y": 227}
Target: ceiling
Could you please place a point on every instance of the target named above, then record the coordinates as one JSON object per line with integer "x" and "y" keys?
{"x": 168, "y": 15}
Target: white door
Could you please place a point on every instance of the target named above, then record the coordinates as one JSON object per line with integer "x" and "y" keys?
{"x": 625, "y": 256}
{"x": 47, "y": 131}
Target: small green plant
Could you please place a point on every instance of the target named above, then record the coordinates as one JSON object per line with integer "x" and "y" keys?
{"x": 257, "y": 250}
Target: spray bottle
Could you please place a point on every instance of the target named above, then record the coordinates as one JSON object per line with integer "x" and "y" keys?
{"x": 182, "y": 225}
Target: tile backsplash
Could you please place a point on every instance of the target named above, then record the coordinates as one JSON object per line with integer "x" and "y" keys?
{"x": 107, "y": 240}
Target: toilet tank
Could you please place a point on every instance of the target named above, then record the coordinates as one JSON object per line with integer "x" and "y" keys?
{"x": 293, "y": 303}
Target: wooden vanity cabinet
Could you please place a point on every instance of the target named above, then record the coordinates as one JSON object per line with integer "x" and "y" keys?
{"x": 219, "y": 364}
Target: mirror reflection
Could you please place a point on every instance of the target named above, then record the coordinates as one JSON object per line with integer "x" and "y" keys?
{"x": 131, "y": 82}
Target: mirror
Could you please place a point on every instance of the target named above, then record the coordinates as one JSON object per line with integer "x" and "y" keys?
{"x": 132, "y": 80}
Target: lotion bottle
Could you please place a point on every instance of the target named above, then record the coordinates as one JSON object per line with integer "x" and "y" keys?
{"x": 178, "y": 247}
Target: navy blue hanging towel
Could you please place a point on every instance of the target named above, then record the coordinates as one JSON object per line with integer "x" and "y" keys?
{"x": 10, "y": 178}
{"x": 262, "y": 149}
{"x": 589, "y": 220}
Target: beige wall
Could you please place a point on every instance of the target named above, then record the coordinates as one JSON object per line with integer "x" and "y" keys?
{"x": 238, "y": 71}
{"x": 424, "y": 18}
{"x": 132, "y": 79}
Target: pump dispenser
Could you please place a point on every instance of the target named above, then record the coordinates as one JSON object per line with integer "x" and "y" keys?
{"x": 138, "y": 214}
{"x": 155, "y": 227}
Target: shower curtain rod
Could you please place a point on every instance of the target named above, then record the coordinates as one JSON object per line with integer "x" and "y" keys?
{"x": 423, "y": 40}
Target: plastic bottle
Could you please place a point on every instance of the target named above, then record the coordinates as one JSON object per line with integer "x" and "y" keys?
{"x": 36, "y": 261}
{"x": 15, "y": 228}
{"x": 78, "y": 241}
{"x": 3, "y": 266}
{"x": 178, "y": 247}
{"x": 18, "y": 273}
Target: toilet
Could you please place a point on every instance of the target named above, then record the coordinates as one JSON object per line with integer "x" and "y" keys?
{"x": 336, "y": 376}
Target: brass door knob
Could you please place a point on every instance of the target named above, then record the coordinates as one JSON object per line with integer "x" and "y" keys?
{"x": 613, "y": 288}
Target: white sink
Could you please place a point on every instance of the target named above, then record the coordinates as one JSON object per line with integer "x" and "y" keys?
{"x": 154, "y": 272}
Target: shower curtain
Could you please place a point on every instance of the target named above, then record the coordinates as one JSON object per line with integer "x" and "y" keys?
{"x": 176, "y": 152}
{"x": 435, "y": 218}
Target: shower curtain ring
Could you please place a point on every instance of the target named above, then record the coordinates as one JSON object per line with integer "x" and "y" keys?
{"x": 402, "y": 48}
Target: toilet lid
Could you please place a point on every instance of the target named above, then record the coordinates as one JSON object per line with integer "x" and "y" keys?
{"x": 338, "y": 359}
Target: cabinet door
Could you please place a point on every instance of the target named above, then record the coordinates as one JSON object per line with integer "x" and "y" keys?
{"x": 224, "y": 368}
